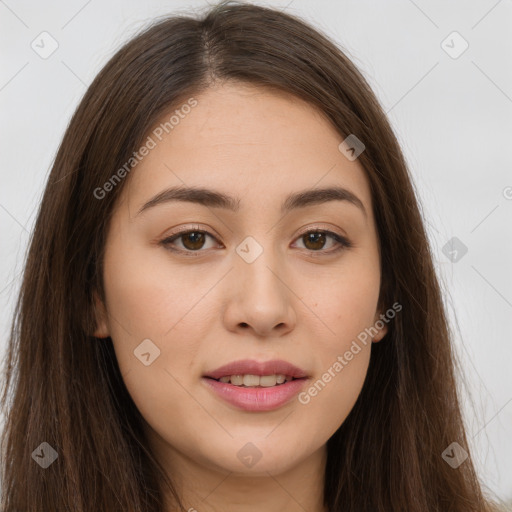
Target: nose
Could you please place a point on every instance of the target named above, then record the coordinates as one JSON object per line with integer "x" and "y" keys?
{"x": 259, "y": 298}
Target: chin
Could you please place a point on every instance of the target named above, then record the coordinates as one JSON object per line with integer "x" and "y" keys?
{"x": 256, "y": 457}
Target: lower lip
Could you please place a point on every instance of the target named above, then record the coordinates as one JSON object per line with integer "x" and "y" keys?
{"x": 256, "y": 399}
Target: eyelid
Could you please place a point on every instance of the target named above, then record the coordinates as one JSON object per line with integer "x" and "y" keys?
{"x": 320, "y": 227}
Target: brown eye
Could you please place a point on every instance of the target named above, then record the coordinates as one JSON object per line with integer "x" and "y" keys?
{"x": 315, "y": 241}
{"x": 191, "y": 241}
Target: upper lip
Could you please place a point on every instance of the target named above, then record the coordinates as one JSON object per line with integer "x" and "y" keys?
{"x": 252, "y": 367}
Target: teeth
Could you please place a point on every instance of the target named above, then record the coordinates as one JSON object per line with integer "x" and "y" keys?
{"x": 265, "y": 381}
{"x": 237, "y": 380}
{"x": 251, "y": 380}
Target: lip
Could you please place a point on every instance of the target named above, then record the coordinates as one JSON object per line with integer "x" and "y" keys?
{"x": 252, "y": 367}
{"x": 256, "y": 399}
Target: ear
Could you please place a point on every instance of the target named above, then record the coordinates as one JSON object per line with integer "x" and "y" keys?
{"x": 102, "y": 330}
{"x": 381, "y": 325}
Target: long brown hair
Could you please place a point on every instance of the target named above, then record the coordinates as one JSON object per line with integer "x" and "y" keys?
{"x": 64, "y": 387}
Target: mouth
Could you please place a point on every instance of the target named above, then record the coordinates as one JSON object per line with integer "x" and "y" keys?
{"x": 255, "y": 381}
{"x": 255, "y": 386}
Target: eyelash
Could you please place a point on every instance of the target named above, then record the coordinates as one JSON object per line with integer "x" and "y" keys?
{"x": 343, "y": 243}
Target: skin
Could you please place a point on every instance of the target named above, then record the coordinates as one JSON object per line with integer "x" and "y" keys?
{"x": 202, "y": 312}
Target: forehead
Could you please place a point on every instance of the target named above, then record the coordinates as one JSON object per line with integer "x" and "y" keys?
{"x": 249, "y": 141}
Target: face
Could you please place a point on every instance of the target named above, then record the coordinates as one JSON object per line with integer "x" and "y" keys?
{"x": 196, "y": 282}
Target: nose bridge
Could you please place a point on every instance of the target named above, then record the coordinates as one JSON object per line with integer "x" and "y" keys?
{"x": 257, "y": 264}
{"x": 259, "y": 297}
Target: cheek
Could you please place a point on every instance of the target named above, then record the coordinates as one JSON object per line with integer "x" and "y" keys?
{"x": 342, "y": 362}
{"x": 146, "y": 296}
{"x": 346, "y": 301}
{"x": 145, "y": 305}
{"x": 346, "y": 305}
{"x": 334, "y": 391}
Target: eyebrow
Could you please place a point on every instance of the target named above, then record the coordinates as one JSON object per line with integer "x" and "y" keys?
{"x": 214, "y": 199}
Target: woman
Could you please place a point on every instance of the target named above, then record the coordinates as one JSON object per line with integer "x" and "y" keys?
{"x": 229, "y": 297}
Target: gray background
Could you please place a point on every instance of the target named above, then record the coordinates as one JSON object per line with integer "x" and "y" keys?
{"x": 451, "y": 115}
